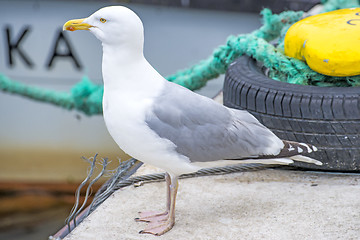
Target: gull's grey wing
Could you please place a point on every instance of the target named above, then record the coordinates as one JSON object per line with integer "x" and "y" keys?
{"x": 204, "y": 130}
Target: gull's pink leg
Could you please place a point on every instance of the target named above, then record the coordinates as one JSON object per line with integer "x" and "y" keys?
{"x": 158, "y": 226}
{"x": 150, "y": 216}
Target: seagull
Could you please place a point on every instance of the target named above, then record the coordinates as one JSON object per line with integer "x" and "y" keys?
{"x": 166, "y": 125}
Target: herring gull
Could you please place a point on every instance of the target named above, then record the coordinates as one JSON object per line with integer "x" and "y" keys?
{"x": 166, "y": 125}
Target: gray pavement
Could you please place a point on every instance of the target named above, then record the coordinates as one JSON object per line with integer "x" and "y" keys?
{"x": 266, "y": 204}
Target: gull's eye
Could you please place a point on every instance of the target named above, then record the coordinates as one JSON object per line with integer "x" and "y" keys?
{"x": 103, "y": 20}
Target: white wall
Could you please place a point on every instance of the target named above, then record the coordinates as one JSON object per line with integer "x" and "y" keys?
{"x": 175, "y": 38}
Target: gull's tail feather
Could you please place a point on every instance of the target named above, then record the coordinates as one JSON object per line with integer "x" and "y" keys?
{"x": 283, "y": 161}
{"x": 292, "y": 151}
{"x": 276, "y": 161}
{"x": 305, "y": 159}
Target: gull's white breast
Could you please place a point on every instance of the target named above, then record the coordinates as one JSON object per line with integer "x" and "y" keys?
{"x": 125, "y": 108}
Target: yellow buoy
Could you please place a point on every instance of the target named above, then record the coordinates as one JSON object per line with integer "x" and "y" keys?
{"x": 328, "y": 42}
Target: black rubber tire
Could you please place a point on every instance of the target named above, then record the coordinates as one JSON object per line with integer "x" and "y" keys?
{"x": 327, "y": 117}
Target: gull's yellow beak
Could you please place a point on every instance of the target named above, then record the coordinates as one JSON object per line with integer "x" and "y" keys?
{"x": 76, "y": 24}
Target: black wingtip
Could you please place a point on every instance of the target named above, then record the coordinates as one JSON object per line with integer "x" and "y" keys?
{"x": 295, "y": 148}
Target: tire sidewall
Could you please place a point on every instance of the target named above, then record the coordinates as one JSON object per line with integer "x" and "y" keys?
{"x": 327, "y": 117}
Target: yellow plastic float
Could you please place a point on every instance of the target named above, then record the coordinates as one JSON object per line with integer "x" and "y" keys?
{"x": 328, "y": 42}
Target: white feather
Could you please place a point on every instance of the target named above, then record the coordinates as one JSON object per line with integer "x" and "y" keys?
{"x": 306, "y": 159}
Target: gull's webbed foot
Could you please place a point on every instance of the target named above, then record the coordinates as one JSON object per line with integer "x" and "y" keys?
{"x": 160, "y": 223}
{"x": 159, "y": 227}
{"x": 152, "y": 216}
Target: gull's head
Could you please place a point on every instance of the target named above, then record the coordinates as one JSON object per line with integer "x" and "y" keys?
{"x": 115, "y": 25}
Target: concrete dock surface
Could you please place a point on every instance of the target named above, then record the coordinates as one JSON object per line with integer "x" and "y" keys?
{"x": 265, "y": 204}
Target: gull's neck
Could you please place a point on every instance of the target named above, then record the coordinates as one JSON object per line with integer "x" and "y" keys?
{"x": 123, "y": 53}
{"x": 125, "y": 70}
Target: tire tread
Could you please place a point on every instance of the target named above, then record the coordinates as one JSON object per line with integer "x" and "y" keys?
{"x": 328, "y": 118}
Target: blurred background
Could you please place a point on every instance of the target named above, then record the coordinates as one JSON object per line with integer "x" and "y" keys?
{"x": 41, "y": 145}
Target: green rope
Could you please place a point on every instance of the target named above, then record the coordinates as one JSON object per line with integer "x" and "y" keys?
{"x": 86, "y": 96}
{"x": 331, "y": 5}
{"x": 196, "y": 77}
{"x": 51, "y": 96}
